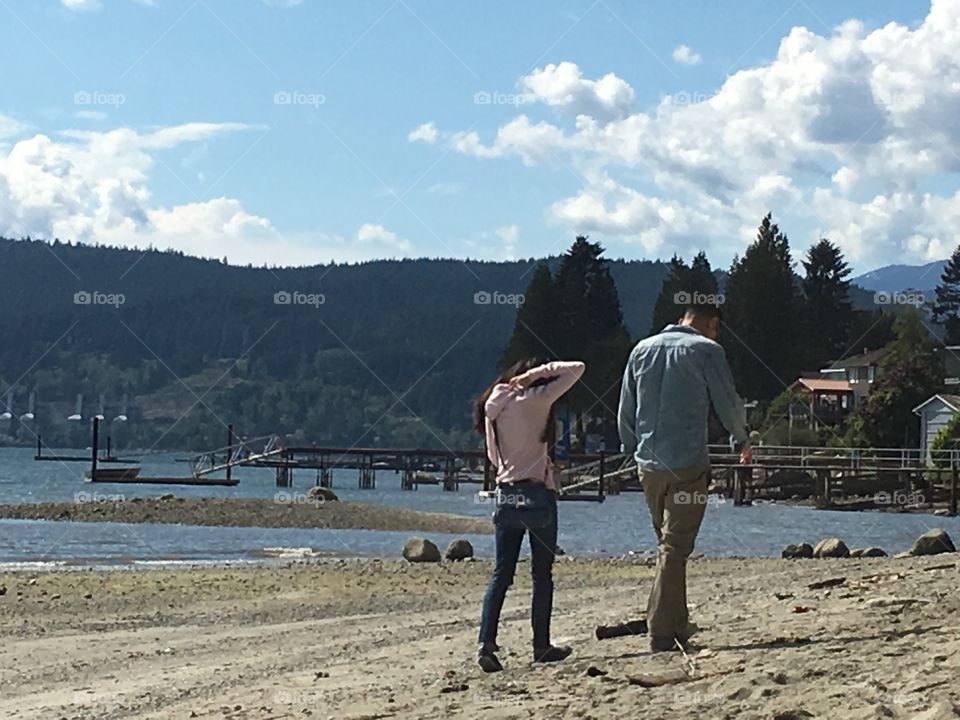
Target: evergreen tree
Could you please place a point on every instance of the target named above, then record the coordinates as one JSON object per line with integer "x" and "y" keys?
{"x": 946, "y": 308}
{"x": 666, "y": 310}
{"x": 869, "y": 330}
{"x": 761, "y": 309}
{"x": 682, "y": 281}
{"x": 592, "y": 330}
{"x": 828, "y": 314}
{"x": 536, "y": 327}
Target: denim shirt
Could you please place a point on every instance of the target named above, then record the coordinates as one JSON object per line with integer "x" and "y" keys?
{"x": 669, "y": 381}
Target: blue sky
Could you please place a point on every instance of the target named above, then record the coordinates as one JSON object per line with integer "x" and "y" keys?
{"x": 299, "y": 132}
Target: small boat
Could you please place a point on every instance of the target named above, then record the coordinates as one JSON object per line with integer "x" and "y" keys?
{"x": 120, "y": 474}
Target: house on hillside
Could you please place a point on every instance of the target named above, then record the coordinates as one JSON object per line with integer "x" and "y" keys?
{"x": 860, "y": 371}
{"x": 828, "y": 401}
{"x": 934, "y": 414}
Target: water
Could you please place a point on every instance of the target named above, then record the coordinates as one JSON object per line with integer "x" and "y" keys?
{"x": 619, "y": 525}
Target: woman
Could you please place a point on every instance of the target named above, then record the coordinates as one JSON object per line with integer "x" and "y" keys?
{"x": 514, "y": 414}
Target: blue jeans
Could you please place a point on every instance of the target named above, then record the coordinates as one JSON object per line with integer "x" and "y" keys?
{"x": 543, "y": 548}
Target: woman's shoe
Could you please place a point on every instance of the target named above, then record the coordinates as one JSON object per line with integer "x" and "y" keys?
{"x": 551, "y": 654}
{"x": 489, "y": 663}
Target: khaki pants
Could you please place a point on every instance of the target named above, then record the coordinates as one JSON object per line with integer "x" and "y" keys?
{"x": 677, "y": 501}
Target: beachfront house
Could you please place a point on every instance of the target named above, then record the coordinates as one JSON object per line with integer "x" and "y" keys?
{"x": 827, "y": 401}
{"x": 860, "y": 371}
{"x": 935, "y": 413}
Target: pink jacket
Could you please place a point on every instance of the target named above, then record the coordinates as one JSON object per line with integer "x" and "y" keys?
{"x": 521, "y": 417}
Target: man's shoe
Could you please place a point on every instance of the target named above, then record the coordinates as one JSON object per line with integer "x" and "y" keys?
{"x": 489, "y": 663}
{"x": 551, "y": 654}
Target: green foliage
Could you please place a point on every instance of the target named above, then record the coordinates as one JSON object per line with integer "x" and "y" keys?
{"x": 828, "y": 313}
{"x": 946, "y": 439}
{"x": 682, "y": 281}
{"x": 762, "y": 304}
{"x": 946, "y": 308}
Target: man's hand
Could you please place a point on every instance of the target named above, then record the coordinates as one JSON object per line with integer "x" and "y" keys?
{"x": 746, "y": 454}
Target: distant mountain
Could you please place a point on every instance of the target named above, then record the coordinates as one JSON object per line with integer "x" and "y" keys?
{"x": 895, "y": 278}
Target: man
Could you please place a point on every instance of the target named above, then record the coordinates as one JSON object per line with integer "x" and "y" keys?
{"x": 669, "y": 382}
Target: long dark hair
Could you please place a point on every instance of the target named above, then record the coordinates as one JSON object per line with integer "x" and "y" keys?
{"x": 518, "y": 368}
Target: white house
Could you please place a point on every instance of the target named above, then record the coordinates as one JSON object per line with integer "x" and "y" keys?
{"x": 934, "y": 414}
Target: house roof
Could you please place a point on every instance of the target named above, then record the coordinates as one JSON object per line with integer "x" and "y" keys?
{"x": 820, "y": 385}
{"x": 864, "y": 359}
{"x": 952, "y": 401}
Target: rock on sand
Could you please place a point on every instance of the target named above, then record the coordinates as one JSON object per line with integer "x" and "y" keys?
{"x": 322, "y": 494}
{"x": 459, "y": 549}
{"x": 933, "y": 542}
{"x": 831, "y": 548}
{"x": 801, "y": 550}
{"x": 420, "y": 550}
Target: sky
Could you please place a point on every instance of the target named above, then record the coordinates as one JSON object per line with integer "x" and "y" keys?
{"x": 298, "y": 132}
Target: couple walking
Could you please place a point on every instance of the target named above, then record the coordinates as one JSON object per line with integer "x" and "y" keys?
{"x": 669, "y": 382}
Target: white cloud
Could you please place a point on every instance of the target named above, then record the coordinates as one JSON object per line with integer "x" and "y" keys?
{"x": 426, "y": 133}
{"x": 842, "y": 134}
{"x": 685, "y": 56}
{"x": 9, "y": 127}
{"x": 564, "y": 86}
{"x": 90, "y": 115}
{"x": 92, "y": 187}
{"x": 82, "y": 5}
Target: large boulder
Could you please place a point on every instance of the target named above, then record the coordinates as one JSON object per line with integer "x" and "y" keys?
{"x": 420, "y": 550}
{"x": 933, "y": 542}
{"x": 796, "y": 551}
{"x": 321, "y": 494}
{"x": 831, "y": 548}
{"x": 459, "y": 549}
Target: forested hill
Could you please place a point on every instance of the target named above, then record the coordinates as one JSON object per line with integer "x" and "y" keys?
{"x": 391, "y": 343}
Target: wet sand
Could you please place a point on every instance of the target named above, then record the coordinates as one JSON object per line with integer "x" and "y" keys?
{"x": 385, "y": 639}
{"x": 290, "y": 511}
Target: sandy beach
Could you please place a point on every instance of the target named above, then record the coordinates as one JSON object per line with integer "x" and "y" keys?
{"x": 386, "y": 639}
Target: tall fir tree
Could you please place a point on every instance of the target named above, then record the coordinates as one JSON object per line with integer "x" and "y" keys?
{"x": 946, "y": 308}
{"x": 828, "y": 313}
{"x": 536, "y": 329}
{"x": 593, "y": 330}
{"x": 682, "y": 280}
{"x": 761, "y": 308}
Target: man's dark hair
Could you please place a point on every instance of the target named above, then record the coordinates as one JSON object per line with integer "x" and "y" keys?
{"x": 706, "y": 311}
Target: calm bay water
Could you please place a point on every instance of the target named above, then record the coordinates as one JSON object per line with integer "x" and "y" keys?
{"x": 619, "y": 525}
